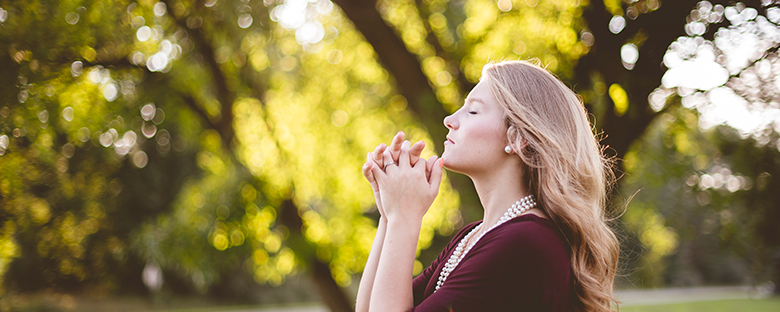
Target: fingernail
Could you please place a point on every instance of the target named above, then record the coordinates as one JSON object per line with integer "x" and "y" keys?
{"x": 441, "y": 162}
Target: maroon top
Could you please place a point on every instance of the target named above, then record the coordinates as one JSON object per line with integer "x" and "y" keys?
{"x": 521, "y": 265}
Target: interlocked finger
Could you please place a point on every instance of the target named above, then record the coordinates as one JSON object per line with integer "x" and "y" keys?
{"x": 388, "y": 161}
{"x": 378, "y": 157}
{"x": 415, "y": 151}
{"x": 367, "y": 170}
{"x": 395, "y": 145}
{"x": 403, "y": 157}
{"x": 391, "y": 163}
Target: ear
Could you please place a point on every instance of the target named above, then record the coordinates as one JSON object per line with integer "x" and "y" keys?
{"x": 510, "y": 149}
{"x": 523, "y": 143}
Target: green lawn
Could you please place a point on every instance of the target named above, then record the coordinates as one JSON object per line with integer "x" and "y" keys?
{"x": 735, "y": 305}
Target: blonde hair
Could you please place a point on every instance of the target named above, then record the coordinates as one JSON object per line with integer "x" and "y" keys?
{"x": 566, "y": 171}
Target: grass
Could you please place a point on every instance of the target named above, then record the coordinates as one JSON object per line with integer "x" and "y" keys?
{"x": 733, "y": 305}
{"x": 67, "y": 303}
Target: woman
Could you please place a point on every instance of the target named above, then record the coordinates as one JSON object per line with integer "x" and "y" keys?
{"x": 525, "y": 141}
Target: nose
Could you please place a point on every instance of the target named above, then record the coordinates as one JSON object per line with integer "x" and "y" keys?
{"x": 450, "y": 122}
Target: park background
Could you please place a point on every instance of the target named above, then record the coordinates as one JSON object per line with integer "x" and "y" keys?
{"x": 180, "y": 154}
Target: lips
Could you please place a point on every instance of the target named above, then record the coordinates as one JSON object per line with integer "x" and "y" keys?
{"x": 450, "y": 140}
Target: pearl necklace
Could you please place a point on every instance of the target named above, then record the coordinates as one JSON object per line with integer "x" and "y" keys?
{"x": 462, "y": 249}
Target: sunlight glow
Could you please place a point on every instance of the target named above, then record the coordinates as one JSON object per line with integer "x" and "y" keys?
{"x": 726, "y": 107}
{"x": 730, "y": 80}
{"x": 302, "y": 16}
{"x": 701, "y": 72}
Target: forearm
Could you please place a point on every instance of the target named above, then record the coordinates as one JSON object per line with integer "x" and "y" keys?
{"x": 369, "y": 272}
{"x": 392, "y": 289}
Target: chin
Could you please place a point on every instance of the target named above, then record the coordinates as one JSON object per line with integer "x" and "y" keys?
{"x": 452, "y": 165}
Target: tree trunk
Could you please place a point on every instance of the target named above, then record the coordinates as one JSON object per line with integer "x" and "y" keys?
{"x": 404, "y": 66}
{"x": 661, "y": 28}
{"x": 331, "y": 293}
{"x": 413, "y": 85}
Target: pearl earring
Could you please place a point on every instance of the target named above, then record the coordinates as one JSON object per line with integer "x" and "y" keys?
{"x": 508, "y": 149}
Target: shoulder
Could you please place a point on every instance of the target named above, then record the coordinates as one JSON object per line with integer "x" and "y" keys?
{"x": 529, "y": 237}
{"x": 459, "y": 236}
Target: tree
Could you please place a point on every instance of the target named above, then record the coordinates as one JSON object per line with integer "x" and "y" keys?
{"x": 628, "y": 47}
{"x": 243, "y": 122}
{"x": 250, "y": 114}
{"x": 699, "y": 205}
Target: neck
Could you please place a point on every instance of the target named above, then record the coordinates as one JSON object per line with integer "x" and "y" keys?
{"x": 499, "y": 189}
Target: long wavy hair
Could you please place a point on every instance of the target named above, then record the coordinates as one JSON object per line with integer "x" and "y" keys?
{"x": 565, "y": 169}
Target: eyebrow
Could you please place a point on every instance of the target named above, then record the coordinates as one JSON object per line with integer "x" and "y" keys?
{"x": 477, "y": 100}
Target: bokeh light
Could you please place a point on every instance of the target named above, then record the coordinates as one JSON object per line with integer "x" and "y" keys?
{"x": 629, "y": 54}
{"x": 83, "y": 134}
{"x": 301, "y": 16}
{"x": 143, "y": 33}
{"x": 3, "y": 143}
{"x": 159, "y": 9}
{"x": 67, "y": 113}
{"x": 616, "y": 24}
{"x": 235, "y": 95}
{"x": 140, "y": 159}
{"x": 76, "y": 68}
{"x": 148, "y": 111}
{"x": 72, "y": 18}
{"x": 245, "y": 20}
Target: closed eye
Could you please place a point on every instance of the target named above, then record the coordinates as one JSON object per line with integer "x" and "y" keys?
{"x": 473, "y": 112}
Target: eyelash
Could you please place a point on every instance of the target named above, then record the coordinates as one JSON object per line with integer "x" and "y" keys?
{"x": 472, "y": 112}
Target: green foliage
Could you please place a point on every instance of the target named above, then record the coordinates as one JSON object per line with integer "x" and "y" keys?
{"x": 82, "y": 175}
{"x": 206, "y": 137}
{"x": 694, "y": 209}
{"x": 770, "y": 304}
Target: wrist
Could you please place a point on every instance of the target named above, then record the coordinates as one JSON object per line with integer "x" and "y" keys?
{"x": 403, "y": 221}
{"x": 405, "y": 213}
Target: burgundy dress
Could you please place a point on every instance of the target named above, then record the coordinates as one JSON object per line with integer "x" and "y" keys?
{"x": 521, "y": 265}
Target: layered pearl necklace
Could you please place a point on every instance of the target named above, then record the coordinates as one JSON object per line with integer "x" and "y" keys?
{"x": 463, "y": 247}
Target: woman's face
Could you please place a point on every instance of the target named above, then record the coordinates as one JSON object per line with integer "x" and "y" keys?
{"x": 477, "y": 134}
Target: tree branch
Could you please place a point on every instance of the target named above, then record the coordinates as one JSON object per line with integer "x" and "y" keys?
{"x": 667, "y": 24}
{"x": 404, "y": 66}
{"x": 433, "y": 40}
{"x": 191, "y": 103}
{"x": 223, "y": 94}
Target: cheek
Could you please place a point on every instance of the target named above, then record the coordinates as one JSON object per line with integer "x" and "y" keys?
{"x": 488, "y": 137}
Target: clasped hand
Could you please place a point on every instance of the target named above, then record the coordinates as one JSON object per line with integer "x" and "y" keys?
{"x": 404, "y": 184}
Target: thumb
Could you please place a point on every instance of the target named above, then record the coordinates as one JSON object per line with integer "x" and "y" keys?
{"x": 436, "y": 174}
